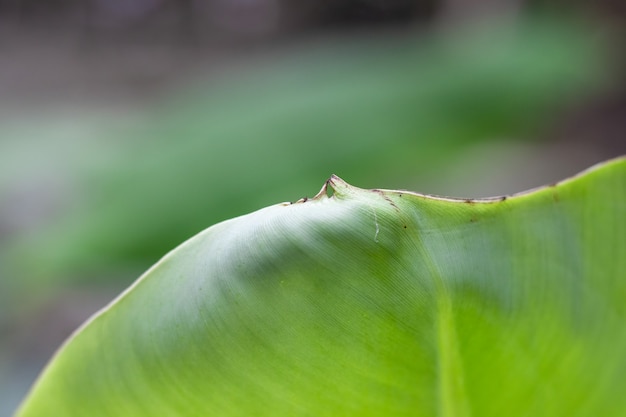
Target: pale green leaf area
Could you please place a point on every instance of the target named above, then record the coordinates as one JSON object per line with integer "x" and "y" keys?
{"x": 370, "y": 303}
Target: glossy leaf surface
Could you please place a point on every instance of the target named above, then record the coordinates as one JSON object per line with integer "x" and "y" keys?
{"x": 370, "y": 303}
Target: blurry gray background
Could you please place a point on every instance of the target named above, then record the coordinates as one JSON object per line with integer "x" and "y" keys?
{"x": 128, "y": 126}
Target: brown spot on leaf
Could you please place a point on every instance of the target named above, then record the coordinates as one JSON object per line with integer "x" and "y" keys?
{"x": 386, "y": 197}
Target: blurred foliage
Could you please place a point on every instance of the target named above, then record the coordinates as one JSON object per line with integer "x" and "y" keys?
{"x": 393, "y": 109}
{"x": 369, "y": 304}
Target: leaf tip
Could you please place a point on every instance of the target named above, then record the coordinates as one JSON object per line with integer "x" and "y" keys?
{"x": 337, "y": 184}
{"x": 331, "y": 185}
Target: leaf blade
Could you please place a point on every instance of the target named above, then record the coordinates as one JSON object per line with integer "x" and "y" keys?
{"x": 370, "y": 302}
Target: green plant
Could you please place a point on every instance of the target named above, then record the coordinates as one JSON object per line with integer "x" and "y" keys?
{"x": 370, "y": 303}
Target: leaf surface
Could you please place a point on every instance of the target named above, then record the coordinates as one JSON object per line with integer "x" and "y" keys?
{"x": 370, "y": 303}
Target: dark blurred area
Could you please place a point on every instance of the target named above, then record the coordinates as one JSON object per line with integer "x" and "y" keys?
{"x": 128, "y": 126}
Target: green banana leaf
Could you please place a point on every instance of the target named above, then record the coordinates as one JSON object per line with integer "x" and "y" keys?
{"x": 370, "y": 303}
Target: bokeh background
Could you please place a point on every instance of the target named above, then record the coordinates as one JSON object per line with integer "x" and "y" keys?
{"x": 127, "y": 126}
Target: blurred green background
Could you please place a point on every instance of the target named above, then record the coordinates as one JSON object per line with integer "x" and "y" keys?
{"x": 128, "y": 126}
